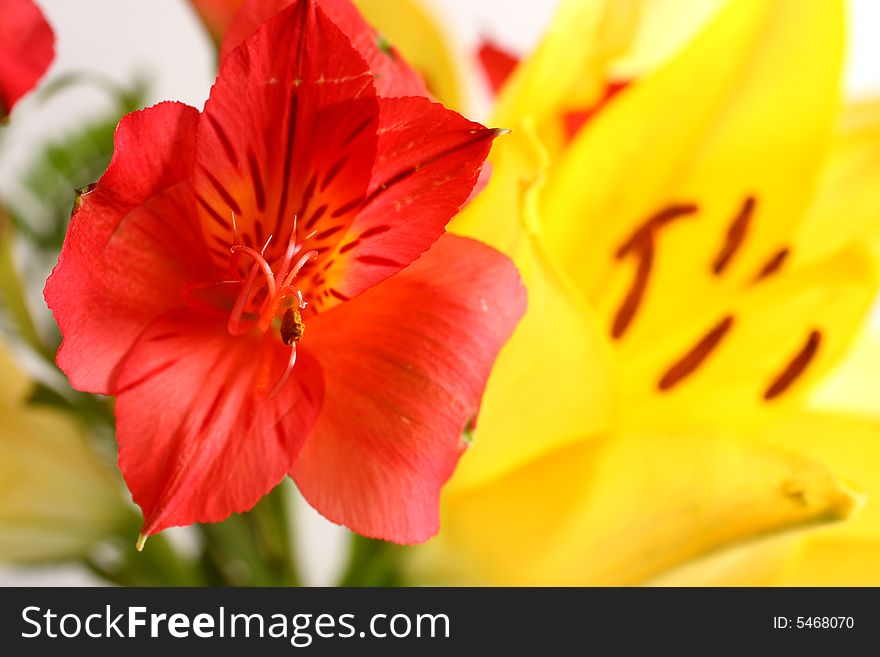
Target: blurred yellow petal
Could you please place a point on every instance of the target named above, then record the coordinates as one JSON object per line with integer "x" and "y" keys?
{"x": 849, "y": 447}
{"x": 833, "y": 562}
{"x": 852, "y": 386}
{"x": 56, "y": 497}
{"x": 848, "y": 204}
{"x": 416, "y": 33}
{"x": 626, "y": 508}
{"x": 568, "y": 69}
{"x": 722, "y": 129}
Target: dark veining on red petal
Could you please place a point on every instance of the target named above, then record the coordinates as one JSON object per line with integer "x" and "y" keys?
{"x": 225, "y": 142}
{"x": 375, "y": 230}
{"x": 333, "y": 171}
{"x": 736, "y": 234}
{"x": 378, "y": 260}
{"x": 145, "y": 377}
{"x": 212, "y": 409}
{"x": 257, "y": 180}
{"x": 290, "y": 139}
{"x": 216, "y": 216}
{"x": 795, "y": 367}
{"x": 222, "y": 191}
{"x": 345, "y": 248}
{"x": 324, "y": 234}
{"x": 692, "y": 360}
{"x": 347, "y": 207}
{"x": 316, "y": 216}
{"x": 335, "y": 293}
{"x": 357, "y": 131}
{"x": 773, "y": 265}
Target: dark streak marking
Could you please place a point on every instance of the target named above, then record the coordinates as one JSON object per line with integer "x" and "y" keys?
{"x": 795, "y": 367}
{"x": 225, "y": 142}
{"x": 338, "y": 295}
{"x": 655, "y": 221}
{"x": 324, "y": 234}
{"x": 288, "y": 157}
{"x": 736, "y": 234}
{"x": 346, "y": 208}
{"x": 214, "y": 214}
{"x": 145, "y": 377}
{"x": 212, "y": 409}
{"x": 689, "y": 363}
{"x": 633, "y": 299}
{"x": 348, "y": 247}
{"x": 378, "y": 260}
{"x": 333, "y": 171}
{"x": 257, "y": 180}
{"x": 357, "y": 131}
{"x": 375, "y": 230}
{"x": 316, "y": 216}
{"x": 224, "y": 193}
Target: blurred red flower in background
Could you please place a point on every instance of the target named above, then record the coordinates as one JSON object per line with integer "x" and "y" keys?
{"x": 27, "y": 47}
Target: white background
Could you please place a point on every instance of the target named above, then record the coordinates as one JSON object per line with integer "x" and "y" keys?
{"x": 164, "y": 39}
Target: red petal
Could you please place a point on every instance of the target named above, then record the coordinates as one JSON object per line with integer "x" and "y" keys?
{"x": 405, "y": 365}
{"x": 195, "y": 442}
{"x": 429, "y": 160}
{"x": 27, "y": 47}
{"x": 393, "y": 76}
{"x": 575, "y": 120}
{"x": 130, "y": 247}
{"x": 497, "y": 63}
{"x": 217, "y": 15}
{"x": 289, "y": 129}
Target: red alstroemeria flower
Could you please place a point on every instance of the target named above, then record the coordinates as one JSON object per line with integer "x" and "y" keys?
{"x": 254, "y": 285}
{"x": 27, "y": 47}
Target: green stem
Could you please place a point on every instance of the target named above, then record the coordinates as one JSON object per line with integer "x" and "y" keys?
{"x": 373, "y": 563}
{"x": 11, "y": 289}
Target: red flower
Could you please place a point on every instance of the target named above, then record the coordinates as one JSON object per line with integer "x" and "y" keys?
{"x": 254, "y": 285}
{"x": 217, "y": 15}
{"x": 27, "y": 47}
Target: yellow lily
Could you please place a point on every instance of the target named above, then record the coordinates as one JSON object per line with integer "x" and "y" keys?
{"x": 698, "y": 259}
{"x": 56, "y": 497}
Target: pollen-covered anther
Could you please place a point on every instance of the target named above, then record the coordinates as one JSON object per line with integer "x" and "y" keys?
{"x": 292, "y": 326}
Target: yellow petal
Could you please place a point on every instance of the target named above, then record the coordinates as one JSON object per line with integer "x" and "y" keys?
{"x": 420, "y": 39}
{"x": 745, "y": 111}
{"x": 568, "y": 69}
{"x": 848, "y": 204}
{"x": 849, "y": 447}
{"x": 782, "y": 336}
{"x": 852, "y": 386}
{"x": 623, "y": 509}
{"x": 557, "y": 342}
{"x": 833, "y": 562}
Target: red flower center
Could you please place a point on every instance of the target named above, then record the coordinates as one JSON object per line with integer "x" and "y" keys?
{"x": 264, "y": 296}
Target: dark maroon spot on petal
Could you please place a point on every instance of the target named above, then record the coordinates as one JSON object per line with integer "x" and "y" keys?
{"x": 212, "y": 410}
{"x": 220, "y": 253}
{"x": 318, "y": 280}
{"x": 378, "y": 260}
{"x": 222, "y": 191}
{"x": 633, "y": 299}
{"x": 795, "y": 367}
{"x": 225, "y": 142}
{"x": 316, "y": 216}
{"x": 375, "y": 230}
{"x": 335, "y": 293}
{"x": 131, "y": 385}
{"x": 248, "y": 240}
{"x": 324, "y": 234}
{"x": 309, "y": 191}
{"x": 689, "y": 363}
{"x": 357, "y": 131}
{"x": 736, "y": 233}
{"x": 319, "y": 250}
{"x": 216, "y": 216}
{"x": 328, "y": 264}
{"x": 290, "y": 137}
{"x": 257, "y": 180}
{"x": 347, "y": 207}
{"x": 348, "y": 247}
{"x": 258, "y": 231}
{"x": 221, "y": 242}
{"x": 773, "y": 265}
{"x": 333, "y": 171}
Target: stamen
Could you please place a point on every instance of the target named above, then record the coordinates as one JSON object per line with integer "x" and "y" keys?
{"x": 279, "y": 385}
{"x": 795, "y": 368}
{"x": 692, "y": 360}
